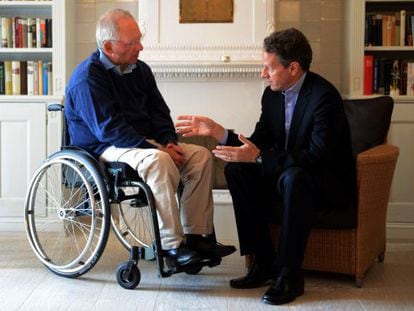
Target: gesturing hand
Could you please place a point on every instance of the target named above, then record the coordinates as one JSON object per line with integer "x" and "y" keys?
{"x": 192, "y": 125}
{"x": 247, "y": 152}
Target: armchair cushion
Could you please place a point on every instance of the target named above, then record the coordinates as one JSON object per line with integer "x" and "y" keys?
{"x": 369, "y": 120}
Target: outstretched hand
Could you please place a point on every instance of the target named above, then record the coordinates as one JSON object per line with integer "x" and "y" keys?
{"x": 247, "y": 152}
{"x": 192, "y": 125}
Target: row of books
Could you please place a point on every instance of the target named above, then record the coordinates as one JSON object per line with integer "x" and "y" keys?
{"x": 25, "y": 32}
{"x": 389, "y": 29}
{"x": 387, "y": 76}
{"x": 26, "y": 78}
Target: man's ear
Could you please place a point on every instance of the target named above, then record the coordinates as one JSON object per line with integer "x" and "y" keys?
{"x": 107, "y": 47}
{"x": 294, "y": 68}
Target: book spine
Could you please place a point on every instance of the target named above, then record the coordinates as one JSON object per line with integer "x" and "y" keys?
{"x": 368, "y": 74}
{"x": 40, "y": 78}
{"x": 16, "y": 77}
{"x": 2, "y": 81}
{"x": 45, "y": 78}
{"x": 23, "y": 77}
{"x": 410, "y": 79}
{"x": 30, "y": 77}
{"x": 38, "y": 34}
{"x": 402, "y": 27}
{"x": 50, "y": 79}
{"x": 8, "y": 77}
{"x": 35, "y": 78}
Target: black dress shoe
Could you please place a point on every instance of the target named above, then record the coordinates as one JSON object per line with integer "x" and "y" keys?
{"x": 208, "y": 247}
{"x": 181, "y": 256}
{"x": 285, "y": 289}
{"x": 256, "y": 277}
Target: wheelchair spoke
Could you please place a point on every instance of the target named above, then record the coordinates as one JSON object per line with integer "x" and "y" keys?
{"x": 67, "y": 214}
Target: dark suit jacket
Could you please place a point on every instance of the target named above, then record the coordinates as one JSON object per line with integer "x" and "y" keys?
{"x": 319, "y": 140}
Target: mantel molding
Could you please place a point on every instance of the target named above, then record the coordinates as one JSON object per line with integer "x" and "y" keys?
{"x": 181, "y": 58}
{"x": 184, "y": 71}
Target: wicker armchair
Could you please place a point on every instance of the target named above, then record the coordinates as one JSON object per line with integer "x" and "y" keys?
{"x": 353, "y": 251}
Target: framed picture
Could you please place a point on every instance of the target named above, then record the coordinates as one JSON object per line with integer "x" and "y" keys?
{"x": 206, "y": 11}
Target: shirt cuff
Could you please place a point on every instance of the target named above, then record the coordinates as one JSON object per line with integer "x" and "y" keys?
{"x": 224, "y": 139}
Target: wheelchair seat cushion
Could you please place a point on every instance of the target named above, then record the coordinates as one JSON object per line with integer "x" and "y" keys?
{"x": 124, "y": 171}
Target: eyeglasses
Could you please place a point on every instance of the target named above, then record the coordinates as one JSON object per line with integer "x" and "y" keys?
{"x": 129, "y": 44}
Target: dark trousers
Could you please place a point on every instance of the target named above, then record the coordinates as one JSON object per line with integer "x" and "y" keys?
{"x": 255, "y": 205}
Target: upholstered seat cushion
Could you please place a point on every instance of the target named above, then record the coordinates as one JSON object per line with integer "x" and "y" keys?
{"x": 369, "y": 120}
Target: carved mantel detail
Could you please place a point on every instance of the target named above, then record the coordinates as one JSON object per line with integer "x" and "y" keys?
{"x": 207, "y": 61}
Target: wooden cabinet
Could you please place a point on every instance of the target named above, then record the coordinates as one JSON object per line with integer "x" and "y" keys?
{"x": 401, "y": 134}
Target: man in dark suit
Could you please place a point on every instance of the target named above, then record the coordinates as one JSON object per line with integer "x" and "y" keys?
{"x": 298, "y": 156}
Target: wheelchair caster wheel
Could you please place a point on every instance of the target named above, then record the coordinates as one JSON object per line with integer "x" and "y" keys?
{"x": 128, "y": 275}
{"x": 193, "y": 270}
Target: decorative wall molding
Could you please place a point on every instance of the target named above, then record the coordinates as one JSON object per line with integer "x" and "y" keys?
{"x": 199, "y": 51}
{"x": 208, "y": 71}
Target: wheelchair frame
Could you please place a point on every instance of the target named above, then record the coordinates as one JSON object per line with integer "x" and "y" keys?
{"x": 68, "y": 215}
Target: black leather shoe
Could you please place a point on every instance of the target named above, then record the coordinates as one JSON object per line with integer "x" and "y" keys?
{"x": 285, "y": 289}
{"x": 207, "y": 247}
{"x": 181, "y": 256}
{"x": 256, "y": 277}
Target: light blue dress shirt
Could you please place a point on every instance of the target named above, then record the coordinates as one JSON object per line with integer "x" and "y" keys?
{"x": 291, "y": 96}
{"x": 109, "y": 65}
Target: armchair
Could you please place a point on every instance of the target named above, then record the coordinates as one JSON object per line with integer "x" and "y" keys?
{"x": 353, "y": 250}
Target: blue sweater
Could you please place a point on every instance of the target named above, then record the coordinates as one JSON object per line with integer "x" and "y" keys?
{"x": 104, "y": 108}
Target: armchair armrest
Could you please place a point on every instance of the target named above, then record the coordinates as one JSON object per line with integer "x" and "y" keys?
{"x": 375, "y": 170}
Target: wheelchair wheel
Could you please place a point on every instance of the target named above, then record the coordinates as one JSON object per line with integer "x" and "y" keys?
{"x": 67, "y": 213}
{"x": 134, "y": 220}
{"x": 128, "y": 275}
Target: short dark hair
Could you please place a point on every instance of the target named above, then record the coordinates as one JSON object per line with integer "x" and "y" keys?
{"x": 289, "y": 45}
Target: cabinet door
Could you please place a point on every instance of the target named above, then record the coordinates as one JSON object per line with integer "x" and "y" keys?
{"x": 401, "y": 207}
{"x": 22, "y": 149}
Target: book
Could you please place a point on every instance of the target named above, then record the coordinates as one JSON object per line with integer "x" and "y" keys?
{"x": 2, "y": 81}
{"x": 40, "y": 77}
{"x": 403, "y": 14}
{"x": 368, "y": 74}
{"x": 45, "y": 78}
{"x": 30, "y": 69}
{"x": 23, "y": 77}
{"x": 15, "y": 77}
{"x": 8, "y": 77}
{"x": 35, "y": 78}
{"x": 50, "y": 79}
{"x": 6, "y": 32}
{"x": 410, "y": 79}
{"x": 31, "y": 32}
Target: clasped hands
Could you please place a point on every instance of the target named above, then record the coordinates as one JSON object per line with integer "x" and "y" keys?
{"x": 192, "y": 125}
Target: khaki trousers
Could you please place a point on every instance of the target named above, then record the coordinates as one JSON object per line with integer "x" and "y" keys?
{"x": 194, "y": 214}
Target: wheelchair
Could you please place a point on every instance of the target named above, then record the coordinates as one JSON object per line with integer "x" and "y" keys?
{"x": 73, "y": 200}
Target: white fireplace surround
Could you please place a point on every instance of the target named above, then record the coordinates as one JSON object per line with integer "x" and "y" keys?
{"x": 208, "y": 50}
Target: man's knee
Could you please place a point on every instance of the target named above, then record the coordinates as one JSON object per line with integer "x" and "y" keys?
{"x": 162, "y": 161}
{"x": 293, "y": 177}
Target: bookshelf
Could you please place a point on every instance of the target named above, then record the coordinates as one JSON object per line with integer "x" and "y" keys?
{"x": 401, "y": 205}
{"x": 360, "y": 43}
{"x": 61, "y": 53}
{"x": 28, "y": 132}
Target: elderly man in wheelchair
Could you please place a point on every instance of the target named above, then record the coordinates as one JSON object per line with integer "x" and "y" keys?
{"x": 115, "y": 114}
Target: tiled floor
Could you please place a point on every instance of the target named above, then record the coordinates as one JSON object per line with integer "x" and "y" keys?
{"x": 27, "y": 285}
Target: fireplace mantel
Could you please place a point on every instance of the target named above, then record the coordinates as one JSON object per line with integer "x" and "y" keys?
{"x": 204, "y": 51}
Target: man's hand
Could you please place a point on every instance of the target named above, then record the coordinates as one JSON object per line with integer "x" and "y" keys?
{"x": 199, "y": 126}
{"x": 176, "y": 153}
{"x": 247, "y": 152}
